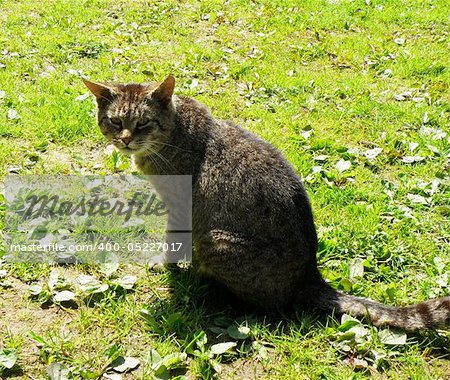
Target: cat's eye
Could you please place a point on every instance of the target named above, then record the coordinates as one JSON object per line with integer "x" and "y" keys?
{"x": 143, "y": 123}
{"x": 116, "y": 121}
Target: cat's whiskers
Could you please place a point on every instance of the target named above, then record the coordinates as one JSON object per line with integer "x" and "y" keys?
{"x": 170, "y": 145}
{"x": 173, "y": 146}
{"x": 160, "y": 156}
{"x": 151, "y": 153}
{"x": 149, "y": 156}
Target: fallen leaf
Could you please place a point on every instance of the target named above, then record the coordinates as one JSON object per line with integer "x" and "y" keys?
{"x": 124, "y": 364}
{"x": 413, "y": 146}
{"x": 371, "y": 154}
{"x": 392, "y": 337}
{"x": 321, "y": 157}
{"x": 403, "y": 96}
{"x": 220, "y": 348}
{"x": 412, "y": 159}
{"x": 342, "y": 165}
{"x": 80, "y": 98}
{"x": 63, "y": 296}
{"x": 58, "y": 371}
{"x": 416, "y": 198}
{"x": 356, "y": 268}
{"x": 238, "y": 332}
{"x": 8, "y": 358}
{"x": 12, "y": 114}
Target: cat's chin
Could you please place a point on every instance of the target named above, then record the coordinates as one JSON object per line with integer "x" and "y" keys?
{"x": 128, "y": 151}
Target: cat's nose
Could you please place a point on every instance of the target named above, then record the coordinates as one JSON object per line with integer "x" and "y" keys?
{"x": 125, "y": 136}
{"x": 126, "y": 140}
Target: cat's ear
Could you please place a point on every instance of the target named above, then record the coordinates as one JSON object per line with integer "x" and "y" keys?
{"x": 163, "y": 93}
{"x": 100, "y": 90}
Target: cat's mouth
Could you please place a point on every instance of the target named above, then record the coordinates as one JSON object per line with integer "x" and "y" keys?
{"x": 130, "y": 151}
{"x": 127, "y": 150}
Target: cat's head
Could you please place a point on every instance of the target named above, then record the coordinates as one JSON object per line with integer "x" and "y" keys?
{"x": 136, "y": 118}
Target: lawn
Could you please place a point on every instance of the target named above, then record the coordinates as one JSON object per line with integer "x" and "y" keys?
{"x": 356, "y": 94}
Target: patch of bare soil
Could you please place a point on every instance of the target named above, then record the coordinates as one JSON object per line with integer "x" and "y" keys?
{"x": 18, "y": 316}
{"x": 244, "y": 370}
{"x": 86, "y": 158}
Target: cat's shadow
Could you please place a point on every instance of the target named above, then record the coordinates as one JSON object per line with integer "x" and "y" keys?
{"x": 199, "y": 304}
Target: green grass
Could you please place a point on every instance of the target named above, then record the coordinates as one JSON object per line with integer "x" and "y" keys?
{"x": 316, "y": 79}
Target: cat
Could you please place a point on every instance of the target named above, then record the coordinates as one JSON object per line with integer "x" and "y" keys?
{"x": 252, "y": 225}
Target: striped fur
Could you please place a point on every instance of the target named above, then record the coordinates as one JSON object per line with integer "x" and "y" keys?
{"x": 430, "y": 314}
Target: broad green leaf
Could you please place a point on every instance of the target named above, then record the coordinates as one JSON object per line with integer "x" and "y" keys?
{"x": 154, "y": 360}
{"x": 346, "y": 284}
{"x": 218, "y": 330}
{"x": 63, "y": 296}
{"x": 108, "y": 263}
{"x": 238, "y": 332}
{"x": 223, "y": 321}
{"x": 112, "y": 352}
{"x": 220, "y": 348}
{"x": 390, "y": 291}
{"x": 161, "y": 373}
{"x": 175, "y": 360}
{"x": 35, "y": 289}
{"x": 126, "y": 282}
{"x": 39, "y": 339}
{"x": 347, "y": 335}
{"x": 124, "y": 364}
{"x": 8, "y": 357}
{"x": 343, "y": 165}
{"x": 58, "y": 371}
{"x": 44, "y": 296}
{"x": 56, "y": 281}
{"x": 260, "y": 349}
{"x": 416, "y": 198}
{"x": 356, "y": 268}
{"x": 201, "y": 340}
{"x": 89, "y": 284}
{"x": 348, "y": 324}
{"x": 111, "y": 376}
{"x": 108, "y": 268}
{"x": 392, "y": 337}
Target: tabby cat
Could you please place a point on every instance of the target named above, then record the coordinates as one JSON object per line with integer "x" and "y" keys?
{"x": 252, "y": 224}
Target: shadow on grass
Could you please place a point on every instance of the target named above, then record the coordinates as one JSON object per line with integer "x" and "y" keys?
{"x": 200, "y": 304}
{"x": 14, "y": 373}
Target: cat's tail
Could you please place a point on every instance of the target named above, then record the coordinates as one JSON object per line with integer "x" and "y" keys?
{"x": 430, "y": 314}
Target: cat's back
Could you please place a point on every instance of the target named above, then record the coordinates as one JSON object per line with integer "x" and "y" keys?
{"x": 228, "y": 148}
{"x": 248, "y": 161}
{"x": 246, "y": 183}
